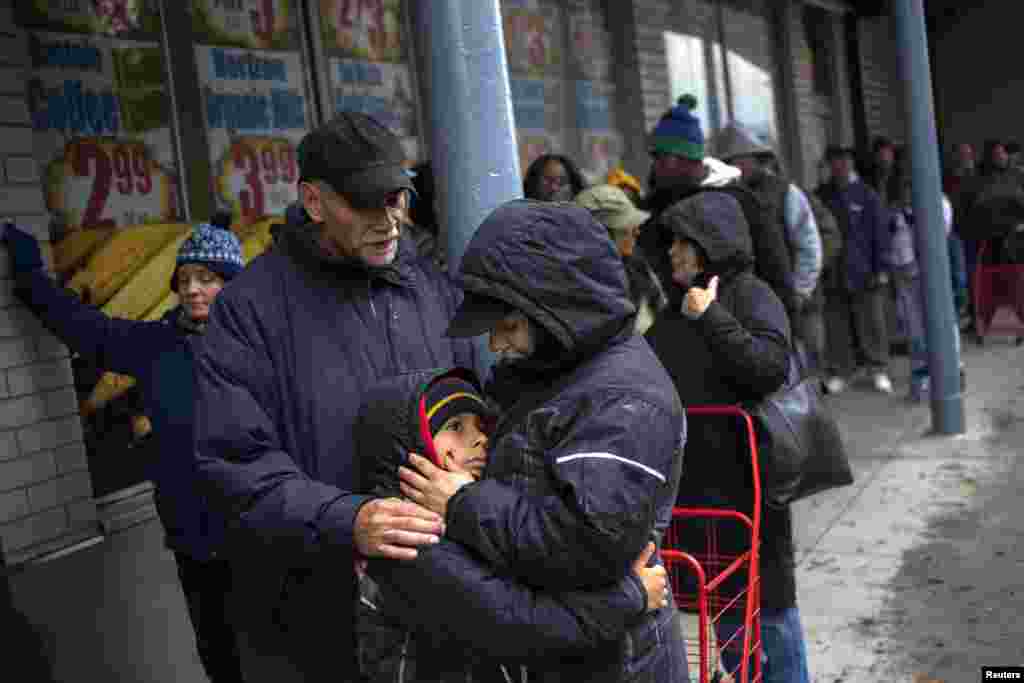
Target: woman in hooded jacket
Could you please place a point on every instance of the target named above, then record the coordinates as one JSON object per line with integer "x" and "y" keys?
{"x": 727, "y": 343}
{"x": 447, "y": 616}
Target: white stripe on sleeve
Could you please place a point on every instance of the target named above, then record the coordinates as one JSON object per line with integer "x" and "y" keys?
{"x": 611, "y": 456}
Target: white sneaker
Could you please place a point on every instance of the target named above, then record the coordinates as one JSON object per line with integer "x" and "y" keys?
{"x": 835, "y": 385}
{"x": 883, "y": 383}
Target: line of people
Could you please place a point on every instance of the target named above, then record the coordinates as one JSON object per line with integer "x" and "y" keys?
{"x": 348, "y": 493}
{"x": 262, "y": 388}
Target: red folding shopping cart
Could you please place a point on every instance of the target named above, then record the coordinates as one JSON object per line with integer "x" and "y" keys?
{"x": 997, "y": 286}
{"x": 719, "y": 581}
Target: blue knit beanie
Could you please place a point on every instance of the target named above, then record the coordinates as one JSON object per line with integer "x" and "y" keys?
{"x": 678, "y": 132}
{"x": 211, "y": 246}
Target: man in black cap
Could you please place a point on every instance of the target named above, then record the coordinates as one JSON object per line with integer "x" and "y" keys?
{"x": 341, "y": 301}
{"x": 583, "y": 469}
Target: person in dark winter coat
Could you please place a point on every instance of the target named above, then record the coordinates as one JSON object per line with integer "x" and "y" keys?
{"x": 585, "y": 464}
{"x": 157, "y": 354}
{"x": 798, "y": 215}
{"x": 729, "y": 342}
{"x": 339, "y": 302}
{"x": 616, "y": 211}
{"x": 492, "y": 624}
{"x": 680, "y": 170}
{"x": 855, "y": 294}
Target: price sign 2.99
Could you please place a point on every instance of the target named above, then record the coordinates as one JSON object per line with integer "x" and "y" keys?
{"x": 257, "y": 176}
{"x": 106, "y": 182}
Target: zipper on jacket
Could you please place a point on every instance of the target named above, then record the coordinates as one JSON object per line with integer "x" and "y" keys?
{"x": 369, "y": 296}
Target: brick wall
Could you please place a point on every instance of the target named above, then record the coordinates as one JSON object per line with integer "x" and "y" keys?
{"x": 45, "y": 489}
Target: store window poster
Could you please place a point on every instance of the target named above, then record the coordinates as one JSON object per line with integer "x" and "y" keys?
{"x": 381, "y": 90}
{"x": 123, "y": 18}
{"x": 531, "y": 40}
{"x": 100, "y": 116}
{"x": 260, "y": 24}
{"x": 369, "y": 30}
{"x": 256, "y": 114}
{"x": 590, "y": 47}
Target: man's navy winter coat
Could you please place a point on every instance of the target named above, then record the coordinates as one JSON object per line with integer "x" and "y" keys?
{"x": 864, "y": 223}
{"x": 584, "y": 468}
{"x": 291, "y": 348}
{"x": 156, "y": 354}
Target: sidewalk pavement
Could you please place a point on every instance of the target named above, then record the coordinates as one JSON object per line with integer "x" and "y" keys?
{"x": 914, "y": 573}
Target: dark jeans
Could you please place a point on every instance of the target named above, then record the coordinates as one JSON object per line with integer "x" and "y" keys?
{"x": 206, "y": 586}
{"x": 857, "y": 330}
{"x": 783, "y": 650}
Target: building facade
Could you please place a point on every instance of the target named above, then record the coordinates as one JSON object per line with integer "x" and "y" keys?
{"x": 151, "y": 112}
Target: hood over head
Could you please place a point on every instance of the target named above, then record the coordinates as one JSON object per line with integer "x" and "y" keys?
{"x": 392, "y": 421}
{"x": 715, "y": 222}
{"x": 555, "y": 263}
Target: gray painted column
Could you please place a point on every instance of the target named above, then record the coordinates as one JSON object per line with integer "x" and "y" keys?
{"x": 943, "y": 360}
{"x": 473, "y": 139}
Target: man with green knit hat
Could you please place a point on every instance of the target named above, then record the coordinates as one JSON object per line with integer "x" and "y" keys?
{"x": 680, "y": 168}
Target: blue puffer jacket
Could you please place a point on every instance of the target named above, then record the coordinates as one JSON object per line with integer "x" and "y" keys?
{"x": 156, "y": 354}
{"x": 585, "y": 466}
{"x": 291, "y": 349}
{"x": 864, "y": 223}
{"x": 489, "y": 618}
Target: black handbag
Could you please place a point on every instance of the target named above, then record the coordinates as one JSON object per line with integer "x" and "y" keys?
{"x": 800, "y": 449}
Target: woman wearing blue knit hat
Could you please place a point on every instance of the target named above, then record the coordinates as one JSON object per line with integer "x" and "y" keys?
{"x": 157, "y": 354}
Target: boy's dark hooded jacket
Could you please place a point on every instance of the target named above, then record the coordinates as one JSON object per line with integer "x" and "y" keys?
{"x": 462, "y": 610}
{"x": 737, "y": 351}
{"x": 584, "y": 468}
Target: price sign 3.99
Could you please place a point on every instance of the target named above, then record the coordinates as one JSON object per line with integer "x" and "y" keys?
{"x": 257, "y": 176}
{"x": 106, "y": 182}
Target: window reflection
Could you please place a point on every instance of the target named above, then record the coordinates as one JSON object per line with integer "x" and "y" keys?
{"x": 753, "y": 97}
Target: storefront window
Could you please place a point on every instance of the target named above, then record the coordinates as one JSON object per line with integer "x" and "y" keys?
{"x": 732, "y": 51}
{"x": 687, "y": 70}
{"x": 101, "y": 119}
{"x": 600, "y": 143}
{"x": 751, "y": 64}
{"x": 563, "y": 95}
{"x": 532, "y": 31}
{"x": 251, "y": 73}
{"x": 368, "y": 63}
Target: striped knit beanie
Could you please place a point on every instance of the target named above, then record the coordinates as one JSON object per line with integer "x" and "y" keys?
{"x": 214, "y": 247}
{"x": 449, "y": 397}
{"x": 679, "y": 132}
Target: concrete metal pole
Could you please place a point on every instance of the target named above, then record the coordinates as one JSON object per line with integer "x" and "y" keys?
{"x": 933, "y": 254}
{"x": 473, "y": 138}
